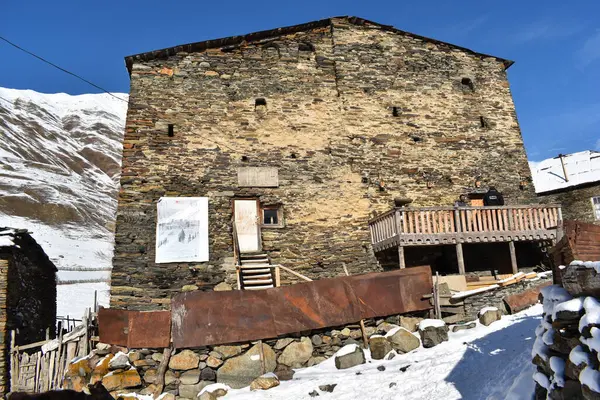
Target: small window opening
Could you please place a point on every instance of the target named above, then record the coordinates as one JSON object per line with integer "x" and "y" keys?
{"x": 483, "y": 122}
{"x": 272, "y": 216}
{"x": 596, "y": 206}
{"x": 364, "y": 179}
{"x": 293, "y": 155}
{"x": 171, "y": 131}
{"x": 416, "y": 139}
{"x": 305, "y": 46}
{"x": 467, "y": 84}
{"x": 396, "y": 111}
{"x": 260, "y": 102}
{"x": 245, "y": 158}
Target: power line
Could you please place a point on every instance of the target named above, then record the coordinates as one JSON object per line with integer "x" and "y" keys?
{"x": 62, "y": 69}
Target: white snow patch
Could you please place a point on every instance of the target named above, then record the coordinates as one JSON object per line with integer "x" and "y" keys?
{"x": 590, "y": 378}
{"x": 554, "y": 295}
{"x": 397, "y": 329}
{"x": 578, "y": 356}
{"x": 557, "y": 365}
{"x": 427, "y": 323}
{"x": 255, "y": 357}
{"x": 592, "y": 313}
{"x": 269, "y": 375}
{"x": 347, "y": 349}
{"x": 593, "y": 264}
{"x": 213, "y": 387}
{"x": 542, "y": 380}
{"x": 593, "y": 342}
{"x": 486, "y": 309}
{"x": 461, "y": 368}
{"x": 574, "y": 305}
{"x": 548, "y": 337}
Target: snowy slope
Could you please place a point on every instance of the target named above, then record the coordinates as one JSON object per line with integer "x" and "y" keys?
{"x": 483, "y": 363}
{"x": 60, "y": 159}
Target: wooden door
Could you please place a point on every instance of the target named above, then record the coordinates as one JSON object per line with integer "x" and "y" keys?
{"x": 247, "y": 225}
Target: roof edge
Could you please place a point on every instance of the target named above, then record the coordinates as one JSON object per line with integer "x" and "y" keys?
{"x": 196, "y": 47}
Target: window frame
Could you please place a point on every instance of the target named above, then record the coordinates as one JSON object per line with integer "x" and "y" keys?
{"x": 595, "y": 210}
{"x": 280, "y": 221}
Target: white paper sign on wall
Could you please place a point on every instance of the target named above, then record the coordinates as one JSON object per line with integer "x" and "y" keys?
{"x": 182, "y": 229}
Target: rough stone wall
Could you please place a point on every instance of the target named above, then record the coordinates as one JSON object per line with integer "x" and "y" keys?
{"x": 4, "y": 336}
{"x": 566, "y": 347}
{"x": 495, "y": 298}
{"x": 328, "y": 127}
{"x": 576, "y": 203}
{"x": 31, "y": 296}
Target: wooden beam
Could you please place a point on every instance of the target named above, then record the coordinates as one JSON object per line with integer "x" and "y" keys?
{"x": 460, "y": 258}
{"x": 513, "y": 257}
{"x": 401, "y": 259}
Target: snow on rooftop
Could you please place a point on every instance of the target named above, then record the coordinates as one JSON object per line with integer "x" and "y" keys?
{"x": 582, "y": 167}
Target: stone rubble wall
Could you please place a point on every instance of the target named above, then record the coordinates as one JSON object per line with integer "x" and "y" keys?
{"x": 124, "y": 370}
{"x": 567, "y": 342}
{"x": 495, "y": 297}
{"x": 329, "y": 128}
{"x": 4, "y": 334}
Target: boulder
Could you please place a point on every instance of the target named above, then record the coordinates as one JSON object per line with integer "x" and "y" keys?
{"x": 386, "y": 327}
{"x": 208, "y": 374}
{"x": 240, "y": 371}
{"x": 78, "y": 367}
{"x": 433, "y": 332}
{"x": 189, "y": 288}
{"x": 487, "y": 315}
{"x": 344, "y": 333}
{"x": 327, "y": 388}
{"x": 213, "y": 391}
{"x": 119, "y": 361}
{"x": 265, "y": 382}
{"x": 166, "y": 396}
{"x": 228, "y": 351}
{"x": 184, "y": 360}
{"x": 170, "y": 377}
{"x": 190, "y": 377}
{"x": 296, "y": 354}
{"x": 316, "y": 340}
{"x": 144, "y": 363}
{"x": 461, "y": 327}
{"x": 150, "y": 376}
{"x": 222, "y": 287}
{"x": 380, "y": 347}
{"x": 282, "y": 343}
{"x": 213, "y": 362}
{"x": 411, "y": 324}
{"x": 192, "y": 391}
{"x": 135, "y": 356}
{"x": 349, "y": 357}
{"x": 122, "y": 380}
{"x": 158, "y": 357}
{"x": 284, "y": 373}
{"x": 402, "y": 340}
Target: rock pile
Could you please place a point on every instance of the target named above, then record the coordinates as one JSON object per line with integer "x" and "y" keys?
{"x": 568, "y": 339}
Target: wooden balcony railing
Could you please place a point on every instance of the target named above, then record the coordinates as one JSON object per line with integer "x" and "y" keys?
{"x": 447, "y": 225}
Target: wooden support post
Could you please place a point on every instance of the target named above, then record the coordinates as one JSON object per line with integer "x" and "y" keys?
{"x": 460, "y": 258}
{"x": 513, "y": 257}
{"x": 401, "y": 257}
{"x": 436, "y": 296}
{"x": 160, "y": 372}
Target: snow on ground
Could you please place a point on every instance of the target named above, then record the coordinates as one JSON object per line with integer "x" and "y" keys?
{"x": 483, "y": 363}
{"x": 72, "y": 300}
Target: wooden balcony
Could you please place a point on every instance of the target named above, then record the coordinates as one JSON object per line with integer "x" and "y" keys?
{"x": 452, "y": 225}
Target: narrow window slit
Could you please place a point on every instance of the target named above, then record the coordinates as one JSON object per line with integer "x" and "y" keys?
{"x": 171, "y": 131}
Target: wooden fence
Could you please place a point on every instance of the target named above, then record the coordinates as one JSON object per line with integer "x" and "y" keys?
{"x": 40, "y": 366}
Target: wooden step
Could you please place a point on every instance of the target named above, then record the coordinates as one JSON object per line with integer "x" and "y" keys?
{"x": 258, "y": 282}
{"x": 257, "y": 261}
{"x": 256, "y": 276}
{"x": 249, "y": 256}
{"x": 258, "y": 287}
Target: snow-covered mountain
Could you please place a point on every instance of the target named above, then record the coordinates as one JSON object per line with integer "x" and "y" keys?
{"x": 60, "y": 158}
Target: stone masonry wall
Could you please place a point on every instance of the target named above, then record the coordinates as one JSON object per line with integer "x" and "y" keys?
{"x": 328, "y": 126}
{"x": 576, "y": 203}
{"x": 4, "y": 335}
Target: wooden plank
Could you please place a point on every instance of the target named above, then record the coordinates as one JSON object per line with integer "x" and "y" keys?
{"x": 427, "y": 223}
{"x": 402, "y": 262}
{"x": 463, "y": 220}
{"x": 417, "y": 216}
{"x": 404, "y": 225}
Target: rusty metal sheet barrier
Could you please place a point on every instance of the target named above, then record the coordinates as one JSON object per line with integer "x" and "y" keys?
{"x": 135, "y": 329}
{"x": 205, "y": 318}
{"x": 113, "y": 326}
{"x": 149, "y": 329}
{"x": 520, "y": 301}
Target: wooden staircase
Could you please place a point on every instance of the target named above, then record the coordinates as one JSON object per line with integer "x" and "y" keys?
{"x": 256, "y": 272}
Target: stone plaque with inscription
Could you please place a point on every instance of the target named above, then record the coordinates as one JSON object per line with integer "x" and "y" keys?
{"x": 258, "y": 177}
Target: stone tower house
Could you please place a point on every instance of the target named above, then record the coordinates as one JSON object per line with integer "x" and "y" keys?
{"x": 323, "y": 125}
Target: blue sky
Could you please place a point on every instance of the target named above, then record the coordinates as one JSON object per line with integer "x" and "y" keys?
{"x": 556, "y": 45}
